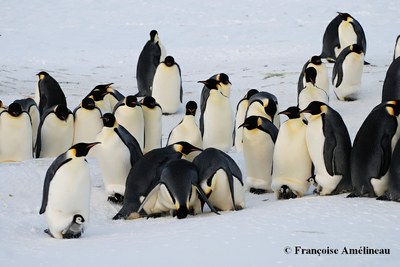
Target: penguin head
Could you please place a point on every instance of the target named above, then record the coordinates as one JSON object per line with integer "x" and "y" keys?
{"x": 250, "y": 93}
{"x": 88, "y": 103}
{"x": 78, "y": 219}
{"x": 42, "y": 75}
{"x": 15, "y": 109}
{"x": 82, "y": 149}
{"x": 310, "y": 74}
{"x": 104, "y": 87}
{"x": 211, "y": 84}
{"x": 345, "y": 16}
{"x": 223, "y": 78}
{"x": 251, "y": 123}
{"x": 185, "y": 148}
{"x": 61, "y": 112}
{"x": 191, "y": 108}
{"x": 355, "y": 48}
{"x": 169, "y": 61}
{"x": 316, "y": 60}
{"x": 292, "y": 112}
{"x": 286, "y": 193}
{"x": 315, "y": 108}
{"x": 108, "y": 120}
{"x": 149, "y": 102}
{"x": 154, "y": 36}
{"x": 131, "y": 101}
{"x": 98, "y": 95}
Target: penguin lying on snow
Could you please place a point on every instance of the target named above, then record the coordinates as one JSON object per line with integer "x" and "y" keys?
{"x": 66, "y": 193}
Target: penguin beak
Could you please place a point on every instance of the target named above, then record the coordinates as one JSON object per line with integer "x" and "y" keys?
{"x": 90, "y": 145}
{"x": 283, "y": 113}
{"x": 203, "y": 82}
{"x": 243, "y": 125}
{"x": 305, "y": 111}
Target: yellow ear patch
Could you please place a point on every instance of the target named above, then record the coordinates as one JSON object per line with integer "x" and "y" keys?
{"x": 324, "y": 109}
{"x": 41, "y": 77}
{"x": 259, "y": 122}
{"x": 390, "y": 111}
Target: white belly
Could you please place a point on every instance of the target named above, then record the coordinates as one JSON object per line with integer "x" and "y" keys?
{"x": 310, "y": 94}
{"x": 152, "y": 129}
{"x": 166, "y": 88}
{"x": 87, "y": 125}
{"x": 187, "y": 131}
{"x": 132, "y": 119}
{"x": 347, "y": 36}
{"x": 322, "y": 80}
{"x": 352, "y": 72}
{"x": 240, "y": 117}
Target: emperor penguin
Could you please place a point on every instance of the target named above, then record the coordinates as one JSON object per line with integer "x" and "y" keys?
{"x": 48, "y": 93}
{"x": 391, "y": 84}
{"x": 88, "y": 122}
{"x": 101, "y": 103}
{"x": 110, "y": 95}
{"x": 342, "y": 31}
{"x": 329, "y": 145}
{"x": 29, "y": 105}
{"x": 372, "y": 150}
{"x": 347, "y": 73}
{"x": 55, "y": 132}
{"x": 152, "y": 54}
{"x": 145, "y": 174}
{"x": 221, "y": 179}
{"x": 129, "y": 113}
{"x": 291, "y": 163}
{"x": 177, "y": 191}
{"x": 396, "y": 52}
{"x": 225, "y": 87}
{"x": 264, "y": 104}
{"x": 117, "y": 153}
{"x": 311, "y": 92}
{"x": 259, "y": 136}
{"x": 167, "y": 85}
{"x": 216, "y": 118}
{"x": 321, "y": 80}
{"x": 187, "y": 130}
{"x": 152, "y": 114}
{"x": 241, "y": 109}
{"x": 66, "y": 193}
{"x": 15, "y": 134}
{"x": 393, "y": 191}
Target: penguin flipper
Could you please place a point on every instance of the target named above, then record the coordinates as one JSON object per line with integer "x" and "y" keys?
{"x": 130, "y": 141}
{"x": 268, "y": 127}
{"x": 337, "y": 73}
{"x": 386, "y": 155}
{"x": 148, "y": 197}
{"x": 205, "y": 199}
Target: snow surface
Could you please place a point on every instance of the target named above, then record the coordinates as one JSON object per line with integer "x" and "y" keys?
{"x": 259, "y": 44}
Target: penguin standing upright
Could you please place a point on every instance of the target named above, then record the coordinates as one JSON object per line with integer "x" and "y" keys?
{"x": 187, "y": 130}
{"x": 215, "y": 115}
{"x": 225, "y": 86}
{"x": 152, "y": 54}
{"x": 393, "y": 190}
{"x": 396, "y": 52}
{"x": 167, "y": 85}
{"x": 391, "y": 84}
{"x": 311, "y": 92}
{"x": 118, "y": 152}
{"x": 66, "y": 193}
{"x": 29, "y": 105}
{"x": 87, "y": 121}
{"x": 152, "y": 114}
{"x": 342, "y": 31}
{"x": 259, "y": 136}
{"x": 347, "y": 73}
{"x": 102, "y": 104}
{"x": 129, "y": 113}
{"x": 321, "y": 80}
{"x": 372, "y": 150}
{"x": 329, "y": 145}
{"x": 264, "y": 104}
{"x": 292, "y": 165}
{"x": 241, "y": 109}
{"x": 55, "y": 133}
{"x": 15, "y": 134}
{"x": 48, "y": 93}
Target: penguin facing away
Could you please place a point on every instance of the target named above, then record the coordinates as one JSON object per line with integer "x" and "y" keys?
{"x": 145, "y": 174}
{"x": 311, "y": 92}
{"x": 55, "y": 132}
{"x": 29, "y": 105}
{"x": 259, "y": 136}
{"x": 152, "y": 114}
{"x": 241, "y": 109}
{"x": 321, "y": 80}
{"x": 167, "y": 85}
{"x": 129, "y": 113}
{"x": 87, "y": 121}
{"x": 177, "y": 191}
{"x": 221, "y": 179}
{"x": 15, "y": 134}
{"x": 48, "y": 92}
{"x": 391, "y": 84}
{"x": 118, "y": 152}
{"x": 329, "y": 145}
{"x": 372, "y": 150}
{"x": 292, "y": 165}
{"x": 66, "y": 193}
{"x": 347, "y": 73}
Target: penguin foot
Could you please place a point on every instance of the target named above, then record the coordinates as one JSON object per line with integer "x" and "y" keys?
{"x": 257, "y": 191}
{"x": 286, "y": 193}
{"x": 71, "y": 236}
{"x": 154, "y": 215}
{"x": 118, "y": 216}
{"x": 352, "y": 195}
{"x": 384, "y": 197}
{"x": 116, "y": 198}
{"x": 349, "y": 99}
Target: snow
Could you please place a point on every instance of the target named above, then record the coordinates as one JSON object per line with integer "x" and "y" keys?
{"x": 259, "y": 44}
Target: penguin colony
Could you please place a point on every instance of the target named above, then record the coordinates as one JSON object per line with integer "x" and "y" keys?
{"x": 312, "y": 148}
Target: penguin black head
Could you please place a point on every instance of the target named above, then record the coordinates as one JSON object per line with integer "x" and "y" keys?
{"x": 292, "y": 112}
{"x": 182, "y": 212}
{"x": 149, "y": 102}
{"x": 270, "y": 108}
{"x": 223, "y": 78}
{"x": 169, "y": 61}
{"x": 131, "y": 101}
{"x": 251, "y": 122}
{"x": 345, "y": 16}
{"x": 250, "y": 93}
{"x": 356, "y": 49}
{"x": 82, "y": 149}
{"x": 78, "y": 219}
{"x": 211, "y": 84}
{"x": 286, "y": 193}
{"x": 15, "y": 109}
{"x": 42, "y": 75}
{"x": 102, "y": 87}
{"x": 88, "y": 103}
{"x": 185, "y": 147}
{"x": 315, "y": 108}
{"x": 316, "y": 60}
{"x": 310, "y": 74}
{"x": 153, "y": 35}
{"x": 191, "y": 108}
{"x": 61, "y": 112}
{"x": 98, "y": 95}
{"x": 108, "y": 120}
